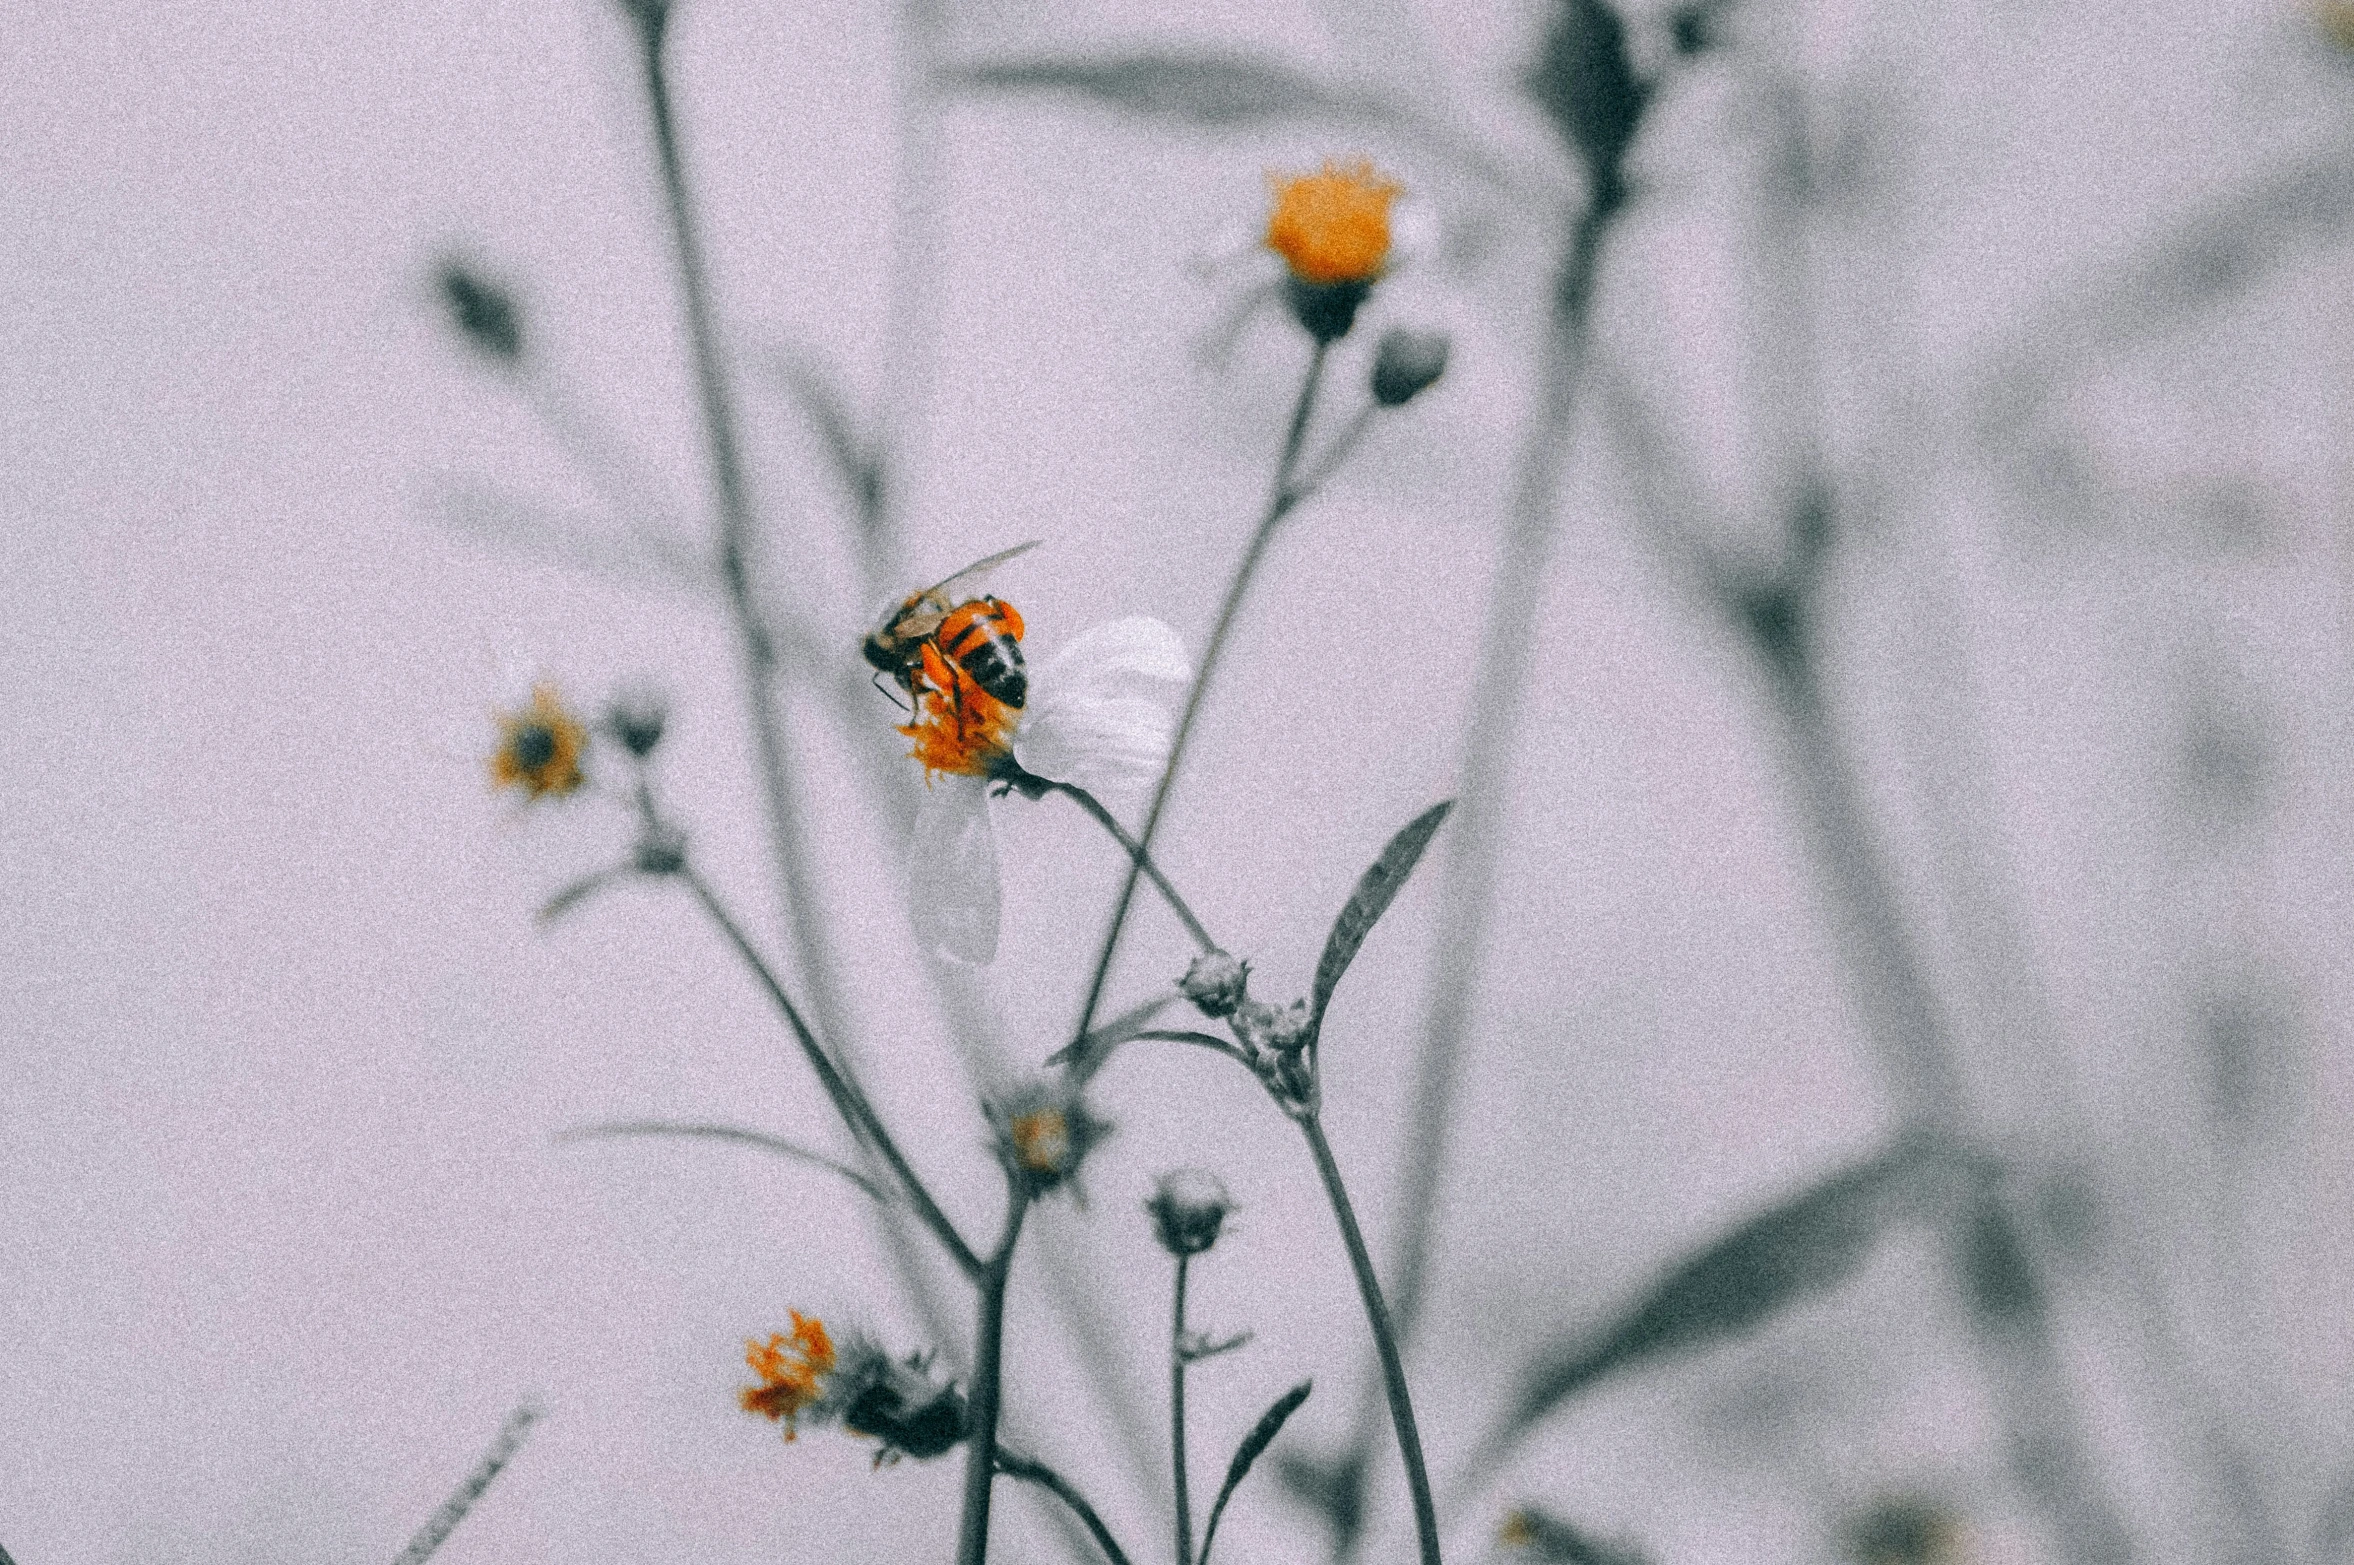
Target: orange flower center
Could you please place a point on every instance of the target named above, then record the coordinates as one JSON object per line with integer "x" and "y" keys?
{"x": 789, "y": 1367}
{"x": 539, "y": 747}
{"x": 1333, "y": 226}
{"x": 958, "y": 727}
{"x": 1042, "y": 1140}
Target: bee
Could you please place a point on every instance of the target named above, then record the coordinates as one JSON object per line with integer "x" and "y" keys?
{"x": 982, "y": 636}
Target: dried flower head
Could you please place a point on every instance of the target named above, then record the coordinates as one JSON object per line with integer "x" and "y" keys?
{"x": 792, "y": 1369}
{"x": 540, "y": 747}
{"x": 1044, "y": 1132}
{"x": 899, "y": 1402}
{"x": 1333, "y": 226}
{"x": 1189, "y": 1208}
{"x": 1216, "y": 983}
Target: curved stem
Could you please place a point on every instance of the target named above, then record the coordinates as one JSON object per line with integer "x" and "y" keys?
{"x": 1030, "y": 1470}
{"x": 1177, "y": 1418}
{"x": 1385, "y": 1342}
{"x": 1140, "y": 859}
{"x": 972, "y": 1534}
{"x": 848, "y": 1101}
{"x": 1281, "y": 498}
{"x": 756, "y": 645}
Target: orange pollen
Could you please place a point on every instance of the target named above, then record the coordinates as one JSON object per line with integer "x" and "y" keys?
{"x": 539, "y": 747}
{"x": 1333, "y": 226}
{"x": 958, "y": 727}
{"x": 789, "y": 1367}
{"x": 1042, "y": 1140}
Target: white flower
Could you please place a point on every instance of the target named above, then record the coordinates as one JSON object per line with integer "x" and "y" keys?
{"x": 1101, "y": 715}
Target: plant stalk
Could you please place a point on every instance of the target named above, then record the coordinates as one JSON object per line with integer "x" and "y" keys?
{"x": 1177, "y": 1417}
{"x": 972, "y": 1537}
{"x": 1385, "y": 1341}
{"x": 1282, "y": 496}
{"x": 1030, "y": 1470}
{"x": 1140, "y": 860}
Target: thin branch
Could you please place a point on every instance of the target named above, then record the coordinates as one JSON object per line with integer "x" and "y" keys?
{"x": 1030, "y": 1470}
{"x": 1280, "y": 501}
{"x": 848, "y": 1101}
{"x": 1141, "y": 860}
{"x": 736, "y": 1133}
{"x": 462, "y": 1499}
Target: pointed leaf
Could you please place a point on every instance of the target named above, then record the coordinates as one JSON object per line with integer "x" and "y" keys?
{"x": 1253, "y": 1446}
{"x": 854, "y": 457}
{"x": 1197, "y": 89}
{"x": 1761, "y": 1267}
{"x": 576, "y": 893}
{"x": 1376, "y": 889}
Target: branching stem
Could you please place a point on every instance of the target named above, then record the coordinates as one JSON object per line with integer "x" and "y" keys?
{"x": 1139, "y": 859}
{"x": 1282, "y": 497}
{"x": 972, "y": 1535}
{"x": 1030, "y": 1470}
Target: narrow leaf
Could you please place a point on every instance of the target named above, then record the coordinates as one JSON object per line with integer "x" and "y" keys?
{"x": 854, "y": 457}
{"x": 1761, "y": 1267}
{"x": 1196, "y": 89}
{"x": 1086, "y": 1056}
{"x": 1376, "y": 889}
{"x": 1253, "y": 1446}
{"x": 736, "y": 1133}
{"x": 578, "y": 892}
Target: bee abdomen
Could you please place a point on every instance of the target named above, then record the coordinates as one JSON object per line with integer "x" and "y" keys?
{"x": 982, "y": 639}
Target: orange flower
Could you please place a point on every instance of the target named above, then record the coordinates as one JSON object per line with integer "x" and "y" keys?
{"x": 539, "y": 748}
{"x": 789, "y": 1368}
{"x": 1333, "y": 226}
{"x": 1041, "y": 1139}
{"x": 959, "y": 728}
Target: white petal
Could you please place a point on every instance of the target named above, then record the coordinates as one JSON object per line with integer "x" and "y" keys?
{"x": 953, "y": 872}
{"x": 1103, "y": 711}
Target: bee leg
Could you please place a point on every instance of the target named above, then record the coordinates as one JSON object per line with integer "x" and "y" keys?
{"x": 894, "y": 695}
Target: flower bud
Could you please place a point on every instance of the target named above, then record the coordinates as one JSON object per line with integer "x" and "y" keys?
{"x": 1188, "y": 1209}
{"x": 637, "y": 718}
{"x": 484, "y": 313}
{"x": 1407, "y": 364}
{"x": 1325, "y": 311}
{"x": 1216, "y": 982}
{"x": 1264, "y": 1027}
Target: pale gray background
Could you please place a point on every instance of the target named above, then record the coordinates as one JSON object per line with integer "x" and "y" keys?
{"x": 282, "y": 1235}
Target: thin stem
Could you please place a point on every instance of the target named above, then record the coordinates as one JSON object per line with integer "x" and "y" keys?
{"x": 972, "y": 1537}
{"x": 735, "y": 1133}
{"x": 756, "y": 645}
{"x": 1385, "y": 1342}
{"x": 1030, "y": 1470}
{"x": 1177, "y": 1417}
{"x": 1281, "y": 498}
{"x": 848, "y": 1101}
{"x": 1141, "y": 860}
{"x": 453, "y": 1510}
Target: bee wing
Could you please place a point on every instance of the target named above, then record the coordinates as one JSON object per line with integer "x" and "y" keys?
{"x": 953, "y": 875}
{"x": 971, "y": 575}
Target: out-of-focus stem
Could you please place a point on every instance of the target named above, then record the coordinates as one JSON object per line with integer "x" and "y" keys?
{"x": 972, "y": 1535}
{"x": 1282, "y": 496}
{"x": 1385, "y": 1338}
{"x": 1177, "y": 1361}
{"x": 755, "y": 645}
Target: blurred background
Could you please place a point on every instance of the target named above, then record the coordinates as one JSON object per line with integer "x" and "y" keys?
{"x": 1924, "y": 725}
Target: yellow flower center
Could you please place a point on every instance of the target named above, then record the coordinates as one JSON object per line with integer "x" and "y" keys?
{"x": 789, "y": 1368}
{"x": 1333, "y": 226}
{"x": 539, "y": 747}
{"x": 1042, "y": 1140}
{"x": 958, "y": 727}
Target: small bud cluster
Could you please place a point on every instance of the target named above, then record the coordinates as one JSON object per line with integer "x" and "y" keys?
{"x": 1278, "y": 1042}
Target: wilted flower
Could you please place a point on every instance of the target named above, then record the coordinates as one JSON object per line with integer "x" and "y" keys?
{"x": 792, "y": 1368}
{"x": 1101, "y": 715}
{"x": 1188, "y": 1209}
{"x": 1044, "y": 1132}
{"x": 540, "y": 747}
